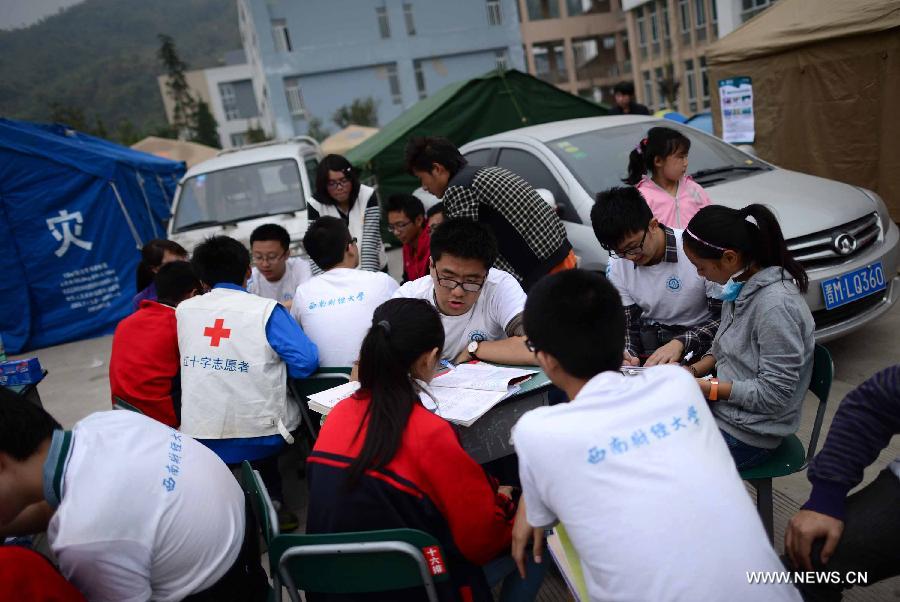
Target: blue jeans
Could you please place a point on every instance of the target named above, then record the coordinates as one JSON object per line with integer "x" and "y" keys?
{"x": 515, "y": 588}
{"x": 745, "y": 456}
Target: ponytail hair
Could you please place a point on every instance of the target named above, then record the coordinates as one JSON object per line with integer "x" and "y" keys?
{"x": 402, "y": 330}
{"x": 660, "y": 142}
{"x": 152, "y": 257}
{"x": 716, "y": 228}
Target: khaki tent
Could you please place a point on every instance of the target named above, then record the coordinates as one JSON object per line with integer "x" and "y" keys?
{"x": 176, "y": 150}
{"x": 826, "y": 88}
{"x": 346, "y": 139}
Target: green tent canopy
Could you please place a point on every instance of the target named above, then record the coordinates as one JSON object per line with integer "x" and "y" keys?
{"x": 463, "y": 111}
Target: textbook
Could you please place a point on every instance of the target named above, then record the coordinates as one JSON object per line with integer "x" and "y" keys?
{"x": 566, "y": 558}
{"x": 461, "y": 395}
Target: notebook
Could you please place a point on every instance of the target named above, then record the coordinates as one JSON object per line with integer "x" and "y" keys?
{"x": 566, "y": 558}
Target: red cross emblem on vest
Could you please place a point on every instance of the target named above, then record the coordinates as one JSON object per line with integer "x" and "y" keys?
{"x": 216, "y": 332}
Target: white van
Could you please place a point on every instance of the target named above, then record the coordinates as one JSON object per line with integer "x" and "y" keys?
{"x": 241, "y": 189}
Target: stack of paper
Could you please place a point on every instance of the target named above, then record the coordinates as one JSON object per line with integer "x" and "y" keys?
{"x": 324, "y": 401}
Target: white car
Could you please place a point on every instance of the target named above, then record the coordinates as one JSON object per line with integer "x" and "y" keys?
{"x": 842, "y": 234}
{"x": 241, "y": 189}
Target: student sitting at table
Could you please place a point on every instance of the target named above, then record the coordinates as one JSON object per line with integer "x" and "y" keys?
{"x": 435, "y": 216}
{"x": 144, "y": 366}
{"x": 763, "y": 351}
{"x": 406, "y": 220}
{"x": 670, "y": 311}
{"x": 633, "y": 467}
{"x": 154, "y": 255}
{"x": 237, "y": 351}
{"x": 335, "y": 308}
{"x": 481, "y": 307}
{"x": 275, "y": 275}
{"x": 383, "y": 461}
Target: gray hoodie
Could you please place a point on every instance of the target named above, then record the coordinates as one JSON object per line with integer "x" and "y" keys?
{"x": 764, "y": 347}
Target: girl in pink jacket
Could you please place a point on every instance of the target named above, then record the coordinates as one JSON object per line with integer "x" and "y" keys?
{"x": 673, "y": 196}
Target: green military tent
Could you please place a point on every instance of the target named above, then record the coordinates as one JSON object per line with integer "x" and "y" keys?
{"x": 463, "y": 111}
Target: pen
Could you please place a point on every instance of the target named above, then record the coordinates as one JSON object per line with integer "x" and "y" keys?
{"x": 447, "y": 364}
{"x": 688, "y": 357}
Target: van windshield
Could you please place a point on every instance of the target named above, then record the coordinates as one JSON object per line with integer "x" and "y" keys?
{"x": 239, "y": 193}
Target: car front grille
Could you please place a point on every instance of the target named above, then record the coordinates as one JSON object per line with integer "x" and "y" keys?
{"x": 819, "y": 250}
{"x": 825, "y": 317}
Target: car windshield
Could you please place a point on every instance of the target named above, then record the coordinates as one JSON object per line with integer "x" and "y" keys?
{"x": 239, "y": 193}
{"x": 599, "y": 158}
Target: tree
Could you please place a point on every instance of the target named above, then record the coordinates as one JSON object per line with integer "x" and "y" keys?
{"x": 75, "y": 118}
{"x": 362, "y": 111}
{"x": 205, "y": 126}
{"x": 256, "y": 134}
{"x": 668, "y": 87}
{"x": 185, "y": 106}
{"x": 317, "y": 130}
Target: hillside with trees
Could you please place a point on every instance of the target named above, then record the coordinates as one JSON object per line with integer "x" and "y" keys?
{"x": 96, "y": 63}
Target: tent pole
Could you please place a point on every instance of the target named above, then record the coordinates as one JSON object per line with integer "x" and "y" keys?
{"x": 165, "y": 194}
{"x": 140, "y": 182}
{"x": 134, "y": 233}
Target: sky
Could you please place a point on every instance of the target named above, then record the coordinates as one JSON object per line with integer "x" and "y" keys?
{"x": 22, "y": 13}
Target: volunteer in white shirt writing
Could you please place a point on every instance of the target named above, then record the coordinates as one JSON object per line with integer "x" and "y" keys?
{"x": 335, "y": 308}
{"x": 481, "y": 307}
{"x": 275, "y": 275}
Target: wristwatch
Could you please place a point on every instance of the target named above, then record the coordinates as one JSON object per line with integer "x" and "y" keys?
{"x": 473, "y": 349}
{"x": 713, "y": 389}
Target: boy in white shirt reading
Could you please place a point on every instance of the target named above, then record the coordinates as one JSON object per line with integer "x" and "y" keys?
{"x": 276, "y": 275}
{"x": 634, "y": 467}
{"x": 670, "y": 312}
{"x": 481, "y": 307}
{"x": 335, "y": 308}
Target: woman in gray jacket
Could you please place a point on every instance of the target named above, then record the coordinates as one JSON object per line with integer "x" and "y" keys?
{"x": 763, "y": 351}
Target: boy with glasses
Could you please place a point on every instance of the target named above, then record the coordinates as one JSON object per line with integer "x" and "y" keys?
{"x": 671, "y": 313}
{"x": 406, "y": 221}
{"x": 275, "y": 274}
{"x": 481, "y": 307}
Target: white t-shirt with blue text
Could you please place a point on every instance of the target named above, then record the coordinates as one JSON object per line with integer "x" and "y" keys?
{"x": 297, "y": 271}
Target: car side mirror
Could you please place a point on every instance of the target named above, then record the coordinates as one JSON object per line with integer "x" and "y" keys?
{"x": 549, "y": 199}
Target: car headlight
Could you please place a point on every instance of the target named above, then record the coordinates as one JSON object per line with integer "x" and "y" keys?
{"x": 884, "y": 217}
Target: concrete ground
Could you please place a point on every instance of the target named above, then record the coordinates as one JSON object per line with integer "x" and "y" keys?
{"x": 78, "y": 384}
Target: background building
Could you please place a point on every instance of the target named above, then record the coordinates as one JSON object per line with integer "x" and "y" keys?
{"x": 228, "y": 90}
{"x": 668, "y": 41}
{"x": 309, "y": 58}
{"x": 579, "y": 45}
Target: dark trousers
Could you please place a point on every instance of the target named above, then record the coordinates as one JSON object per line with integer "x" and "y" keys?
{"x": 870, "y": 542}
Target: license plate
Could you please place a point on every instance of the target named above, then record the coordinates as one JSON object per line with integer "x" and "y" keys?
{"x": 854, "y": 285}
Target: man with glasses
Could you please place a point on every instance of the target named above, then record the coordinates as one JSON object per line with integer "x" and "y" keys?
{"x": 671, "y": 313}
{"x": 275, "y": 274}
{"x": 481, "y": 307}
{"x": 406, "y": 221}
{"x": 335, "y": 308}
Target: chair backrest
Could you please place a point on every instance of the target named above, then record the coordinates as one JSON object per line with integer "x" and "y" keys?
{"x": 820, "y": 386}
{"x": 365, "y": 561}
{"x": 263, "y": 509}
{"x": 121, "y": 404}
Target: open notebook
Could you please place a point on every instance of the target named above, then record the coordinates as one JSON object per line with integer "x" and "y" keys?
{"x": 460, "y": 395}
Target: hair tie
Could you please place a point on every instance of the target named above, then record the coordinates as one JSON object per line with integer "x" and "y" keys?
{"x": 640, "y": 146}
{"x": 387, "y": 327}
{"x": 701, "y": 241}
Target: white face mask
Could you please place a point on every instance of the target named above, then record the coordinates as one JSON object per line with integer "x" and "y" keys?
{"x": 731, "y": 289}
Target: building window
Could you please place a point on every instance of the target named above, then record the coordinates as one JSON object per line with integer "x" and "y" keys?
{"x": 660, "y": 86}
{"x": 586, "y": 7}
{"x": 648, "y": 88}
{"x": 654, "y": 28}
{"x": 229, "y": 101}
{"x": 394, "y": 83}
{"x": 684, "y": 21}
{"x": 239, "y": 139}
{"x": 294, "y": 97}
{"x": 384, "y": 26}
{"x": 713, "y": 12}
{"x": 751, "y": 8}
{"x": 665, "y": 22}
{"x": 542, "y": 9}
{"x": 501, "y": 59}
{"x": 549, "y": 62}
{"x": 700, "y": 18}
{"x": 281, "y": 35}
{"x": 420, "y": 79}
{"x": 494, "y": 16}
{"x": 595, "y": 58}
{"x": 408, "y": 19}
{"x": 641, "y": 30}
{"x": 691, "y": 85}
{"x": 704, "y": 82}
{"x": 626, "y": 66}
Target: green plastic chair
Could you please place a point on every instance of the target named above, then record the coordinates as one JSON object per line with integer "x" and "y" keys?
{"x": 121, "y": 404}
{"x": 360, "y": 562}
{"x": 265, "y": 515}
{"x": 322, "y": 380}
{"x": 790, "y": 457}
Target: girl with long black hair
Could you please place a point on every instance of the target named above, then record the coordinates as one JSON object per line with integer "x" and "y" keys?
{"x": 763, "y": 351}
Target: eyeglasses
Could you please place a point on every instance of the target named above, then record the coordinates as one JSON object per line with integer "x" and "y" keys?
{"x": 530, "y": 346}
{"x": 469, "y": 287}
{"x": 632, "y": 251}
{"x": 270, "y": 258}
{"x": 398, "y": 226}
{"x": 338, "y": 183}
{"x": 352, "y": 241}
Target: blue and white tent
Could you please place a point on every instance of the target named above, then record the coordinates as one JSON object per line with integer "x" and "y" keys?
{"x": 75, "y": 211}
